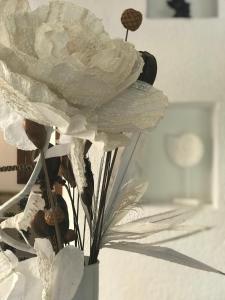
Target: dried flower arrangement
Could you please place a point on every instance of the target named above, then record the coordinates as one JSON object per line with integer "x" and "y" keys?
{"x": 60, "y": 69}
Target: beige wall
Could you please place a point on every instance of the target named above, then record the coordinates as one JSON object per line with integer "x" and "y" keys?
{"x": 7, "y": 157}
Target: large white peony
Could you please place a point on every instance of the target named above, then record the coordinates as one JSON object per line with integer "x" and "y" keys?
{"x": 59, "y": 67}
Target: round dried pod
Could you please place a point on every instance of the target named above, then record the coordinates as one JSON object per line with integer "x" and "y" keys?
{"x": 131, "y": 19}
{"x": 54, "y": 214}
{"x": 70, "y": 236}
{"x": 36, "y": 133}
{"x": 39, "y": 225}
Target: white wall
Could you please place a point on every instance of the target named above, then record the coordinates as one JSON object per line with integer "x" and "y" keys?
{"x": 198, "y": 8}
{"x": 7, "y": 157}
{"x": 191, "y": 64}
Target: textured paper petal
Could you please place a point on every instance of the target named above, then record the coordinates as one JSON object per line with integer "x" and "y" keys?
{"x": 139, "y": 107}
{"x": 31, "y": 99}
{"x": 23, "y": 220}
{"x": 86, "y": 73}
{"x": 15, "y": 6}
{"x": 12, "y": 125}
{"x": 67, "y": 273}
{"x": 164, "y": 254}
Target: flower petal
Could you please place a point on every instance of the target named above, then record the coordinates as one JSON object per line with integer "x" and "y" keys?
{"x": 67, "y": 273}
{"x": 32, "y": 99}
{"x": 140, "y": 106}
{"x": 12, "y": 125}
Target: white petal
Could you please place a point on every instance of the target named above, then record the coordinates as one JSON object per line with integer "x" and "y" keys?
{"x": 67, "y": 273}
{"x": 12, "y": 125}
{"x": 140, "y": 106}
{"x": 31, "y": 99}
{"x": 15, "y": 6}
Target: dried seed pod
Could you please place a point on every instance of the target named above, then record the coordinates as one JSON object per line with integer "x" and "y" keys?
{"x": 70, "y": 236}
{"x": 40, "y": 227}
{"x": 36, "y": 133}
{"x": 131, "y": 19}
{"x": 149, "y": 72}
{"x": 54, "y": 214}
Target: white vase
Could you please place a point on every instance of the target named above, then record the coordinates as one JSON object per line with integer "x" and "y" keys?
{"x": 88, "y": 289}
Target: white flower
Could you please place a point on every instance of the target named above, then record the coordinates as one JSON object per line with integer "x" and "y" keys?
{"x": 59, "y": 67}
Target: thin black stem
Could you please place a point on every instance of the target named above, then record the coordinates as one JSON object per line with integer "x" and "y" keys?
{"x": 97, "y": 233}
{"x": 75, "y": 219}
{"x": 126, "y": 38}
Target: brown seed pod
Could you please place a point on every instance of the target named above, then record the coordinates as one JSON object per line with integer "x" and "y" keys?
{"x": 54, "y": 214}
{"x": 131, "y": 19}
{"x": 36, "y": 133}
{"x": 70, "y": 236}
{"x": 40, "y": 227}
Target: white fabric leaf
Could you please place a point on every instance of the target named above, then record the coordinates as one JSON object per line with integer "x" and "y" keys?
{"x": 23, "y": 220}
{"x": 164, "y": 254}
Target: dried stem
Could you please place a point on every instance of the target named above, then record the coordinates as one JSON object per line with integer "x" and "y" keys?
{"x": 109, "y": 164}
{"x": 126, "y": 38}
{"x": 52, "y": 202}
